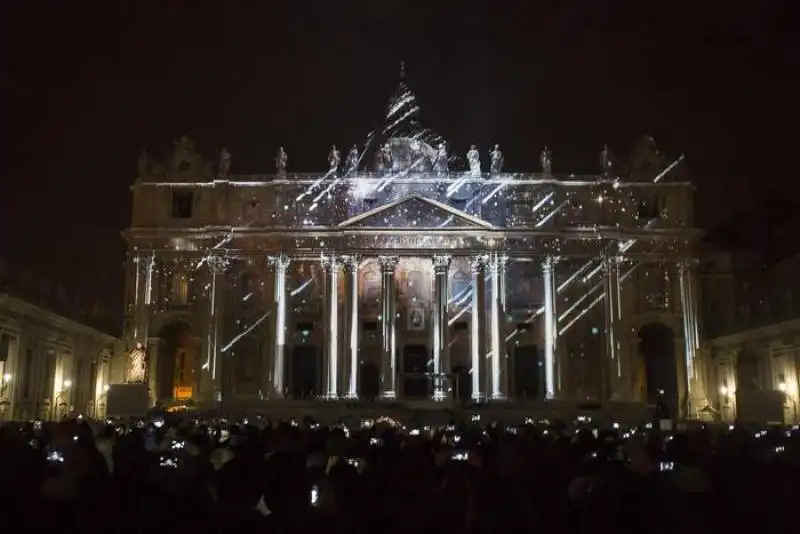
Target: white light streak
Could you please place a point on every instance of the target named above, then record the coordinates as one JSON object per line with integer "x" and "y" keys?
{"x": 669, "y": 168}
{"x": 551, "y": 214}
{"x": 247, "y": 331}
{"x": 301, "y": 287}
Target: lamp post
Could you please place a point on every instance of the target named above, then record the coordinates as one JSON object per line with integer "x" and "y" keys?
{"x": 725, "y": 394}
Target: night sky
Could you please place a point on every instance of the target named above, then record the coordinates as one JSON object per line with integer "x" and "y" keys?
{"x": 87, "y": 85}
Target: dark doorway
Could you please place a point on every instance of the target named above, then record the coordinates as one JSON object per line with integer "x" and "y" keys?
{"x": 305, "y": 381}
{"x": 462, "y": 383}
{"x": 414, "y": 368}
{"x": 176, "y": 368}
{"x": 527, "y": 373}
{"x": 657, "y": 347}
{"x": 748, "y": 372}
{"x": 370, "y": 383}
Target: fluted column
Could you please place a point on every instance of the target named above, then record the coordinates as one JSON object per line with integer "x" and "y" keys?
{"x": 550, "y": 327}
{"x": 612, "y": 317}
{"x": 688, "y": 287}
{"x": 478, "y": 326}
{"x": 280, "y": 264}
{"x": 330, "y": 367}
{"x": 218, "y": 264}
{"x": 388, "y": 328}
{"x": 143, "y": 293}
{"x": 499, "y": 373}
{"x": 352, "y": 328}
{"x": 441, "y": 327}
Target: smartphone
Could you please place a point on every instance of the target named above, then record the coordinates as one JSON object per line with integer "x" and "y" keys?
{"x": 55, "y": 457}
{"x": 167, "y": 461}
{"x": 314, "y": 497}
{"x": 666, "y": 466}
{"x": 460, "y": 456}
{"x": 355, "y": 462}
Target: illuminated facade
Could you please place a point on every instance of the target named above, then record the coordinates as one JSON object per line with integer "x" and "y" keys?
{"x": 411, "y": 281}
{"x": 51, "y": 365}
{"x": 752, "y": 327}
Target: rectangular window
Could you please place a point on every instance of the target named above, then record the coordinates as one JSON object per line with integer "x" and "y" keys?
{"x": 182, "y": 204}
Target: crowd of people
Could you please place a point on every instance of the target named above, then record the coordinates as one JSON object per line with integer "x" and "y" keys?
{"x": 191, "y": 475}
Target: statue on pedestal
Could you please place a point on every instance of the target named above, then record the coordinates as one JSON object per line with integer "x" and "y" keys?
{"x": 546, "y": 159}
{"x": 137, "y": 365}
{"x": 441, "y": 166}
{"x": 352, "y": 159}
{"x": 606, "y": 162}
{"x": 224, "y": 163}
{"x": 497, "y": 160}
{"x": 334, "y": 158}
{"x": 383, "y": 159}
{"x": 281, "y": 159}
{"x": 474, "y": 160}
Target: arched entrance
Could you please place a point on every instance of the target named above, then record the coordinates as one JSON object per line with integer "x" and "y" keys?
{"x": 370, "y": 383}
{"x": 176, "y": 367}
{"x": 657, "y": 349}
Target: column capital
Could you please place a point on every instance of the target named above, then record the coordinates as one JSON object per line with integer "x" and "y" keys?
{"x": 441, "y": 263}
{"x": 351, "y": 262}
{"x": 281, "y": 261}
{"x": 549, "y": 262}
{"x": 688, "y": 263}
{"x": 388, "y": 263}
{"x": 144, "y": 260}
{"x": 330, "y": 262}
{"x": 477, "y": 263}
{"x": 218, "y": 263}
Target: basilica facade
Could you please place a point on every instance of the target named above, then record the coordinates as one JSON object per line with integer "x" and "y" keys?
{"x": 399, "y": 284}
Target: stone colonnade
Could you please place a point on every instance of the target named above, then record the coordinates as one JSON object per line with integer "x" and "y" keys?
{"x": 489, "y": 364}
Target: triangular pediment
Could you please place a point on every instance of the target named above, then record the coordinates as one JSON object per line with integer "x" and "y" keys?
{"x": 415, "y": 211}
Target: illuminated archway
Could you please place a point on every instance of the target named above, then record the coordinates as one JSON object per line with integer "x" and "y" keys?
{"x": 176, "y": 367}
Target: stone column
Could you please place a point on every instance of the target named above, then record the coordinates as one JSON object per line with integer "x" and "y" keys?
{"x": 145, "y": 261}
{"x": 613, "y": 367}
{"x": 478, "y": 332}
{"x": 687, "y": 269}
{"x": 550, "y": 327}
{"x": 388, "y": 328}
{"x": 217, "y": 264}
{"x": 278, "y": 371}
{"x": 499, "y": 372}
{"x": 441, "y": 326}
{"x": 352, "y": 328}
{"x": 330, "y": 366}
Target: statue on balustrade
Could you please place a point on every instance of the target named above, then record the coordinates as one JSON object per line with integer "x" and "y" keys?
{"x": 474, "y": 160}
{"x": 606, "y": 162}
{"x": 334, "y": 158}
{"x": 383, "y": 159}
{"x": 496, "y": 166}
{"x": 137, "y": 365}
{"x": 441, "y": 165}
{"x": 224, "y": 163}
{"x": 546, "y": 159}
{"x": 352, "y": 159}
{"x": 281, "y": 160}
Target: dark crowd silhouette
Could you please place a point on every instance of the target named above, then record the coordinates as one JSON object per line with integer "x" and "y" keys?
{"x": 196, "y": 476}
